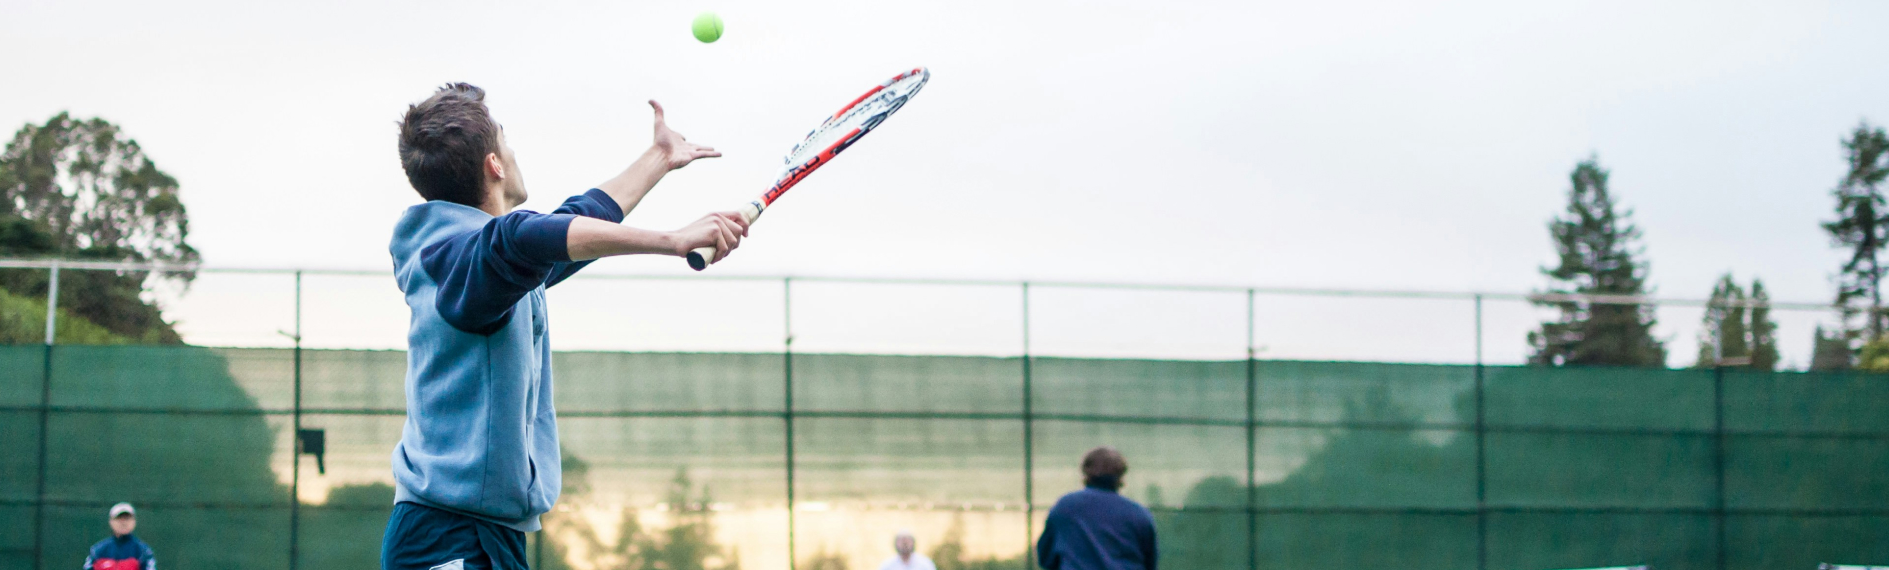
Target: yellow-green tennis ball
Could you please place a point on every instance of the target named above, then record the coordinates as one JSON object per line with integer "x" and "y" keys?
{"x": 708, "y": 27}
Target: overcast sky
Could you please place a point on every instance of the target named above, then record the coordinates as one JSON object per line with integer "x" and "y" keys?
{"x": 1393, "y": 145}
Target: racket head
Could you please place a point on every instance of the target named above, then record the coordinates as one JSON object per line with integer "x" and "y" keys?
{"x": 835, "y": 134}
{"x": 846, "y": 126}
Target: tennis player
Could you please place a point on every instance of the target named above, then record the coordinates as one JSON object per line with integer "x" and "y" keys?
{"x": 1097, "y": 528}
{"x": 477, "y": 461}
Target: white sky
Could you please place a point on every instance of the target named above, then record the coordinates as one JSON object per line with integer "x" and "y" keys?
{"x": 1392, "y": 145}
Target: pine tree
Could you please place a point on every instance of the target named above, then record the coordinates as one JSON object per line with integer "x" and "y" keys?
{"x": 1862, "y": 227}
{"x": 1736, "y": 330}
{"x": 1599, "y": 255}
{"x": 1764, "y": 354}
{"x": 1722, "y": 334}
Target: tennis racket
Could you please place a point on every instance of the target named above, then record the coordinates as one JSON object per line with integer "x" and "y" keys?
{"x": 836, "y": 134}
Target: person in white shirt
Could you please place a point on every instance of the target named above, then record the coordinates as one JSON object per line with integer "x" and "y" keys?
{"x": 908, "y": 557}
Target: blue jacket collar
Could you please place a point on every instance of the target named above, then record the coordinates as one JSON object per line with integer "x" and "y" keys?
{"x": 422, "y": 224}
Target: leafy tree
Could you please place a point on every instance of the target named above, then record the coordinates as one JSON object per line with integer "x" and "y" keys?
{"x": 78, "y": 189}
{"x": 1736, "y": 328}
{"x": 1599, "y": 255}
{"x": 1862, "y": 227}
{"x": 1874, "y": 357}
{"x": 23, "y": 321}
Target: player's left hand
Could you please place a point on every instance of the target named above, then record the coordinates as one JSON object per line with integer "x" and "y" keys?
{"x": 676, "y": 150}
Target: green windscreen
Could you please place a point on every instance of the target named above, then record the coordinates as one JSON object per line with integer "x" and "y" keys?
{"x": 815, "y": 461}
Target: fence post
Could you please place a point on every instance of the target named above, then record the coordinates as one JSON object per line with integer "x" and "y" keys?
{"x": 52, "y": 303}
{"x": 45, "y": 418}
{"x": 1029, "y": 444}
{"x": 295, "y": 443}
{"x": 1718, "y": 458}
{"x": 1252, "y": 443}
{"x": 1482, "y": 465}
{"x": 787, "y": 409}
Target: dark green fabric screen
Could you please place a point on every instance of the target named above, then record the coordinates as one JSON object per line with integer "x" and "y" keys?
{"x": 1246, "y": 464}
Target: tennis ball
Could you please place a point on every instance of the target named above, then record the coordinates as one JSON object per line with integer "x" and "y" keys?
{"x": 708, "y": 27}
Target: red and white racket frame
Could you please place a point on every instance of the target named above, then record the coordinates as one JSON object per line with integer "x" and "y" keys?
{"x": 795, "y": 172}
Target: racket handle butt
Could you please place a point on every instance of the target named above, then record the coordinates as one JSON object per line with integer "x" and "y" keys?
{"x": 698, "y": 259}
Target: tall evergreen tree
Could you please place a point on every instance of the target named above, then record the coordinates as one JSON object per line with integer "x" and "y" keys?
{"x": 1599, "y": 254}
{"x": 1862, "y": 228}
{"x": 1722, "y": 334}
{"x": 1737, "y": 329}
{"x": 1764, "y": 355}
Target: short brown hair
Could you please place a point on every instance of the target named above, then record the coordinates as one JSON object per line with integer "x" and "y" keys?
{"x": 443, "y": 143}
{"x": 1104, "y": 467}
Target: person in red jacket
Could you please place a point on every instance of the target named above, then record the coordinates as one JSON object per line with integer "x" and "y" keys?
{"x": 122, "y": 551}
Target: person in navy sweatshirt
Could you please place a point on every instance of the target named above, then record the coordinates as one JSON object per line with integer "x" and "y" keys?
{"x": 1097, "y": 528}
{"x": 477, "y": 461}
{"x": 122, "y": 551}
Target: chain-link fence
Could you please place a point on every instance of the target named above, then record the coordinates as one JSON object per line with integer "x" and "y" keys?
{"x": 821, "y": 425}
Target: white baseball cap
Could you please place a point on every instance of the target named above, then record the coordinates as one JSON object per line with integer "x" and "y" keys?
{"x": 123, "y": 509}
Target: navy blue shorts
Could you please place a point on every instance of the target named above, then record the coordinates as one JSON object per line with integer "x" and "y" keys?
{"x": 422, "y": 538}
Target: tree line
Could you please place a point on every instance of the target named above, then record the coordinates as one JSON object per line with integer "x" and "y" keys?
{"x": 1600, "y": 254}
{"x": 79, "y": 189}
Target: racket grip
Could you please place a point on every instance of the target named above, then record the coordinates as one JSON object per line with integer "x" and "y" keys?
{"x": 700, "y": 257}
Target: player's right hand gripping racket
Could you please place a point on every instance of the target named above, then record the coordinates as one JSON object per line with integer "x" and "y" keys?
{"x": 836, "y": 134}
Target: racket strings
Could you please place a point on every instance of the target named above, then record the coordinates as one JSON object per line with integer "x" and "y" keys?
{"x": 864, "y": 116}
